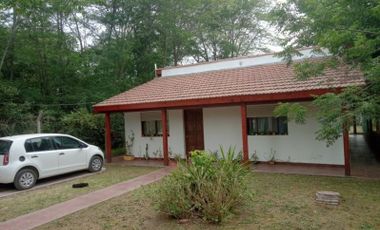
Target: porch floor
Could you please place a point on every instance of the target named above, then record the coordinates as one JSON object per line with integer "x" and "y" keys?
{"x": 320, "y": 170}
{"x": 363, "y": 161}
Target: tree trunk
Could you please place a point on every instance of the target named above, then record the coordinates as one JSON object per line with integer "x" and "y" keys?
{"x": 10, "y": 39}
{"x": 39, "y": 121}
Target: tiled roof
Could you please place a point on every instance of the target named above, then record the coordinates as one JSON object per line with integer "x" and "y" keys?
{"x": 256, "y": 80}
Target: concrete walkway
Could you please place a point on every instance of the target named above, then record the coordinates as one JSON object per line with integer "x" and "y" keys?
{"x": 43, "y": 216}
{"x": 363, "y": 160}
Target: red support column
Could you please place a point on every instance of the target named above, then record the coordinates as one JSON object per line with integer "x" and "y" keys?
{"x": 346, "y": 149}
{"x": 165, "y": 136}
{"x": 107, "y": 122}
{"x": 243, "y": 111}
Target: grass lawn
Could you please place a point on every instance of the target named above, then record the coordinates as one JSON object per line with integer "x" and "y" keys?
{"x": 29, "y": 201}
{"x": 280, "y": 202}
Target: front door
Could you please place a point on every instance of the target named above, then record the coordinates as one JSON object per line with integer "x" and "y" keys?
{"x": 71, "y": 154}
{"x": 193, "y": 119}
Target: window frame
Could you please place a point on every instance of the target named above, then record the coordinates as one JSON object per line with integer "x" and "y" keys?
{"x": 271, "y": 126}
{"x": 81, "y": 144}
{"x": 157, "y": 131}
{"x": 31, "y": 145}
{"x": 7, "y": 146}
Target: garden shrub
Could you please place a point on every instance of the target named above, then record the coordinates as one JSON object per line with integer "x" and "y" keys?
{"x": 208, "y": 187}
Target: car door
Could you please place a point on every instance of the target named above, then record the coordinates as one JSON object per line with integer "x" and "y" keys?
{"x": 72, "y": 154}
{"x": 41, "y": 152}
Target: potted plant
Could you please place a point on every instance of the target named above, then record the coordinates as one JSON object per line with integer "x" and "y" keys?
{"x": 128, "y": 144}
{"x": 128, "y": 157}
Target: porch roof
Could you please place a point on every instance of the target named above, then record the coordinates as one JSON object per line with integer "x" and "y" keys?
{"x": 255, "y": 84}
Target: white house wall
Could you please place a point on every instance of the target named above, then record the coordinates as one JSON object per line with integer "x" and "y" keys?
{"x": 235, "y": 63}
{"x": 222, "y": 127}
{"x": 298, "y": 146}
{"x": 153, "y": 145}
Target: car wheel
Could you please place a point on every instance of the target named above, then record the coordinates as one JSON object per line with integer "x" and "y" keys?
{"x": 25, "y": 179}
{"x": 96, "y": 164}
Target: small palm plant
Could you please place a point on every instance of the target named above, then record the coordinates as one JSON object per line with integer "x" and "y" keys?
{"x": 208, "y": 187}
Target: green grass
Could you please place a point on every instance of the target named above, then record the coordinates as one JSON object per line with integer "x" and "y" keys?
{"x": 26, "y": 202}
{"x": 280, "y": 202}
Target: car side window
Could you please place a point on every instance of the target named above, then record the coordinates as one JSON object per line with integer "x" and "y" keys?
{"x": 38, "y": 144}
{"x": 67, "y": 143}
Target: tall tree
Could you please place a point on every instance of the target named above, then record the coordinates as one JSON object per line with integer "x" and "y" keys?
{"x": 350, "y": 31}
{"x": 228, "y": 28}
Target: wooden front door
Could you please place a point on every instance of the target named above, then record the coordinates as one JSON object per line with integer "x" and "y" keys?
{"x": 193, "y": 119}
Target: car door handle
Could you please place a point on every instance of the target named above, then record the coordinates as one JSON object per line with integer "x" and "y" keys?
{"x": 34, "y": 156}
{"x": 62, "y": 154}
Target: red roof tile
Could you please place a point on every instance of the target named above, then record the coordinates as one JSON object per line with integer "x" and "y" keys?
{"x": 256, "y": 80}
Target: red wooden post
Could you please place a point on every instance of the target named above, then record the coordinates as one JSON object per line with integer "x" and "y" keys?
{"x": 243, "y": 111}
{"x": 165, "y": 136}
{"x": 346, "y": 149}
{"x": 108, "y": 137}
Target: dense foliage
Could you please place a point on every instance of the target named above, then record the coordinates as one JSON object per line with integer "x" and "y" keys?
{"x": 350, "y": 31}
{"x": 208, "y": 187}
{"x": 60, "y": 56}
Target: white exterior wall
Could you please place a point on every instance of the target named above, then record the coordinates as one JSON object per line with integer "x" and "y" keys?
{"x": 299, "y": 146}
{"x": 176, "y": 139}
{"x": 235, "y": 63}
{"x": 222, "y": 127}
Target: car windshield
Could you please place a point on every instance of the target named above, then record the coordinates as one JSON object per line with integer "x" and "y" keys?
{"x": 5, "y": 145}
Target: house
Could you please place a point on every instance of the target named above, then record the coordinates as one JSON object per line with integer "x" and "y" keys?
{"x": 229, "y": 103}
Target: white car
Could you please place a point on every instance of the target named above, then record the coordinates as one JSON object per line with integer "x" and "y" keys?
{"x": 26, "y": 158}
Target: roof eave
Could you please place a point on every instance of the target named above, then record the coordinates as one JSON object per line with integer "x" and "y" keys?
{"x": 218, "y": 101}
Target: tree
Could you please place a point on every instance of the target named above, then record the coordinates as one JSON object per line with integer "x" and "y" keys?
{"x": 57, "y": 57}
{"x": 350, "y": 31}
{"x": 230, "y": 28}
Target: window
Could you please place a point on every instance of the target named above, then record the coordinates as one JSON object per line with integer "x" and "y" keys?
{"x": 67, "y": 143}
{"x": 151, "y": 124}
{"x": 152, "y": 128}
{"x": 38, "y": 144}
{"x": 5, "y": 146}
{"x": 267, "y": 126}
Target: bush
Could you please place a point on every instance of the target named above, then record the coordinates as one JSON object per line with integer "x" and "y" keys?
{"x": 208, "y": 187}
{"x": 85, "y": 125}
{"x": 118, "y": 151}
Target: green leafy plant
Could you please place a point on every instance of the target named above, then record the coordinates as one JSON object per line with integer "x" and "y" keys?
{"x": 272, "y": 156}
{"x": 207, "y": 187}
{"x": 146, "y": 155}
{"x": 129, "y": 143}
{"x": 254, "y": 158}
{"x": 85, "y": 125}
{"x": 293, "y": 111}
{"x": 118, "y": 151}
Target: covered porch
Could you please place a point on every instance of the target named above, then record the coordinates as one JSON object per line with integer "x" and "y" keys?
{"x": 207, "y": 105}
{"x": 184, "y": 129}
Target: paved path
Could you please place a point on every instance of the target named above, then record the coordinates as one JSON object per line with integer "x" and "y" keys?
{"x": 363, "y": 160}
{"x": 43, "y": 216}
